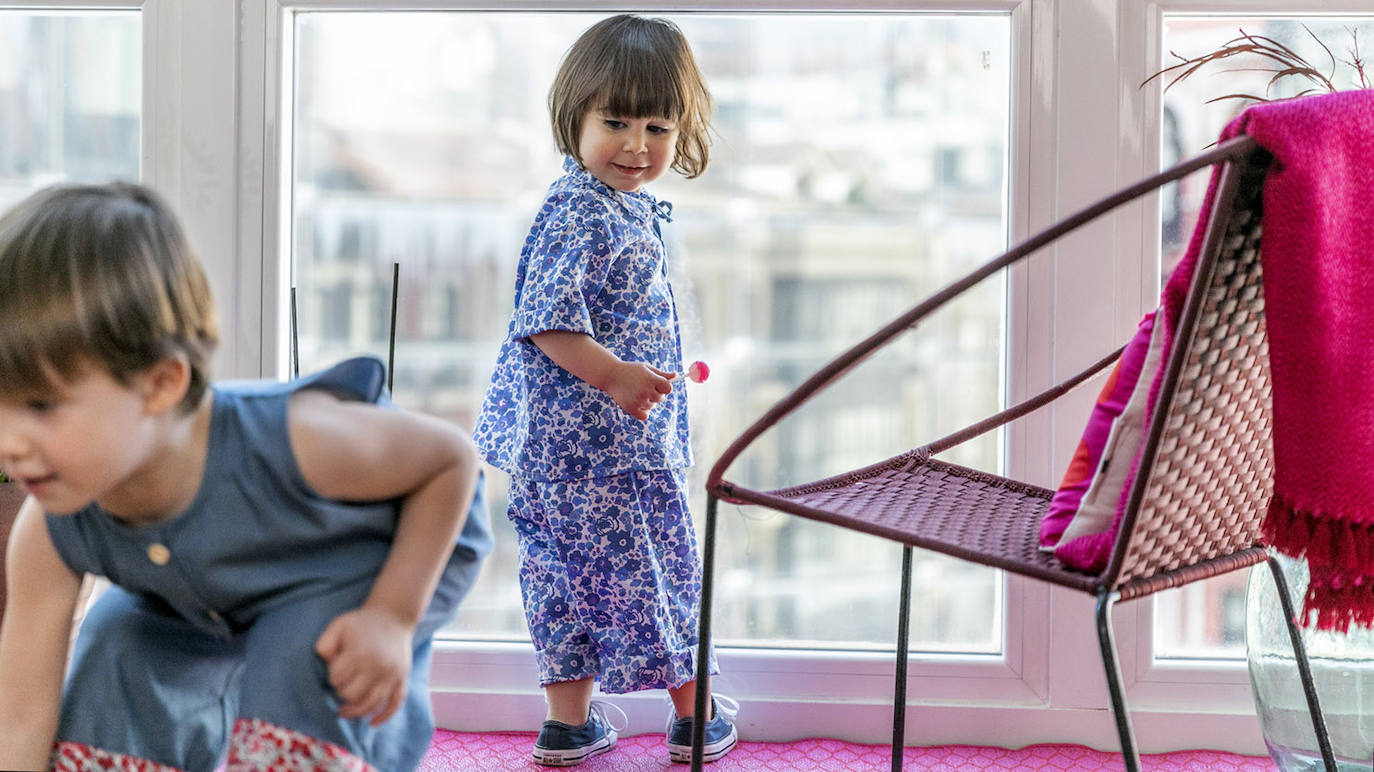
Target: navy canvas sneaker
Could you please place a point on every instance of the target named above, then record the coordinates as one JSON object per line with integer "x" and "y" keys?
{"x": 564, "y": 745}
{"x": 720, "y": 732}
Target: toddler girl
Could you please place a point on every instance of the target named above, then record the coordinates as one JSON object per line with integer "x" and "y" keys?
{"x": 584, "y": 411}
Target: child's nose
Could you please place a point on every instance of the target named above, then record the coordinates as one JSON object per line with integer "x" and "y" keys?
{"x": 635, "y": 142}
{"x": 14, "y": 437}
{"x": 12, "y": 444}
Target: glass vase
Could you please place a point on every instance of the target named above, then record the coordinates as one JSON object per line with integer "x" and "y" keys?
{"x": 1342, "y": 669}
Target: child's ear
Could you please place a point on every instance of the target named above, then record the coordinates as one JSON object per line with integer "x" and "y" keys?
{"x": 164, "y": 384}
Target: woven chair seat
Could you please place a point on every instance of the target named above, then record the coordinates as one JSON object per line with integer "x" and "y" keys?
{"x": 931, "y": 504}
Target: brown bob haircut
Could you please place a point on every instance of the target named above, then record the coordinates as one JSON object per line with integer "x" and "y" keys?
{"x": 634, "y": 67}
{"x": 103, "y": 275}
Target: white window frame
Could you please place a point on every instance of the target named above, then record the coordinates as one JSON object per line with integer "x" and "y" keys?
{"x": 216, "y": 123}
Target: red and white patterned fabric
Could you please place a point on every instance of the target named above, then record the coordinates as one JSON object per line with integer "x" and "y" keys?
{"x": 258, "y": 746}
{"x": 75, "y": 757}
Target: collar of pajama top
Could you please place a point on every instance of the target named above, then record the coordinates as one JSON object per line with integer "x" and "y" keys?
{"x": 594, "y": 262}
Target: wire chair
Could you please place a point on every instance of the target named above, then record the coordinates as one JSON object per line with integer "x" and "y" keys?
{"x": 1194, "y": 508}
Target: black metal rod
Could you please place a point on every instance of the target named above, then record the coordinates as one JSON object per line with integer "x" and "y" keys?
{"x": 1309, "y": 687}
{"x": 903, "y": 645}
{"x": 295, "y": 338}
{"x": 391, "y": 346}
{"x": 1107, "y": 640}
{"x": 708, "y": 565}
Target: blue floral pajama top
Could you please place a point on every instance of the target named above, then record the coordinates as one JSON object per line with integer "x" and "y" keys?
{"x": 594, "y": 262}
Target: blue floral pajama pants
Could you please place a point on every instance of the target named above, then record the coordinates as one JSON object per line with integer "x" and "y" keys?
{"x": 611, "y": 579}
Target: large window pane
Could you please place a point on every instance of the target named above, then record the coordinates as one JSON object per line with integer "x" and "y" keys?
{"x": 1207, "y": 619}
{"x": 70, "y": 98}
{"x": 859, "y": 164}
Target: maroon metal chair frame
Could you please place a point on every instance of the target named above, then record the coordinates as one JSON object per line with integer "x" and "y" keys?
{"x": 1195, "y": 505}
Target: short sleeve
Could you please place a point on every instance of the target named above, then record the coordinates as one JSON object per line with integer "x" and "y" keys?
{"x": 566, "y": 266}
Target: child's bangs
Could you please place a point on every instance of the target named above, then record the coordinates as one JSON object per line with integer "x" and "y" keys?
{"x": 639, "y": 85}
{"x": 39, "y": 351}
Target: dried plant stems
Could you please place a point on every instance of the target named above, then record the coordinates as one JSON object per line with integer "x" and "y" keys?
{"x": 1279, "y": 60}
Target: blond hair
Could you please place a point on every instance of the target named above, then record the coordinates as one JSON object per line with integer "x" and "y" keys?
{"x": 634, "y": 67}
{"x": 99, "y": 274}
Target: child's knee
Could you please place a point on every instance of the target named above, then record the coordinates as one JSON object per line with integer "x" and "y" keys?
{"x": 145, "y": 684}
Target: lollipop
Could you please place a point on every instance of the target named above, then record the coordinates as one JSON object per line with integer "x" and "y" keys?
{"x": 698, "y": 372}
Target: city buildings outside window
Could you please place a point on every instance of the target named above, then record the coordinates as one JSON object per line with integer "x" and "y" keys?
{"x": 70, "y": 98}
{"x": 859, "y": 163}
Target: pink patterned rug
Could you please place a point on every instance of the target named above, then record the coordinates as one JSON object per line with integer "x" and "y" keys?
{"x": 499, "y": 751}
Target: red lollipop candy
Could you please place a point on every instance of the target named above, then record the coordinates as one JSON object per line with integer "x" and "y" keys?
{"x": 698, "y": 372}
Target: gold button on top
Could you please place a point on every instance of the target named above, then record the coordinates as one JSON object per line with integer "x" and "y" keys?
{"x": 159, "y": 554}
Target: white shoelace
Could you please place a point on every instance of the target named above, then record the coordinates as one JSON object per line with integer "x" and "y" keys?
{"x": 725, "y": 706}
{"x": 602, "y": 711}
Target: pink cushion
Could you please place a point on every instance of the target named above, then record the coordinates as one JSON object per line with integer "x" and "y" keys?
{"x": 1086, "y": 464}
{"x": 1087, "y": 542}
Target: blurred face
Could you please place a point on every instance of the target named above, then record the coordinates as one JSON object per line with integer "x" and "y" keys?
{"x": 625, "y": 153}
{"x": 77, "y": 443}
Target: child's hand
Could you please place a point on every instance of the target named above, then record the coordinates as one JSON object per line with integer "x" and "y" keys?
{"x": 637, "y": 387}
{"x": 368, "y": 653}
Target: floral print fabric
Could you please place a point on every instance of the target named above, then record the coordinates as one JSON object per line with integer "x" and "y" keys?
{"x": 258, "y": 746}
{"x": 77, "y": 757}
{"x": 594, "y": 263}
{"x": 610, "y": 579}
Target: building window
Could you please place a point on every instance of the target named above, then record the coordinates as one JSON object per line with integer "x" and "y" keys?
{"x": 70, "y": 98}
{"x": 859, "y": 163}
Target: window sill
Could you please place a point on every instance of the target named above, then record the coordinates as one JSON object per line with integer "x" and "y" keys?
{"x": 787, "y": 695}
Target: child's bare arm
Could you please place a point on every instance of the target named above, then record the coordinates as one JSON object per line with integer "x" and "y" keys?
{"x": 41, "y": 594}
{"x": 358, "y": 451}
{"x": 635, "y": 386}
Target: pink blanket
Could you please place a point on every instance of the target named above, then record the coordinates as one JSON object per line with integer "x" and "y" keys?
{"x": 1317, "y": 252}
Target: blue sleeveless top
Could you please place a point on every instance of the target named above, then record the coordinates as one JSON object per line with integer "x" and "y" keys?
{"x": 256, "y": 534}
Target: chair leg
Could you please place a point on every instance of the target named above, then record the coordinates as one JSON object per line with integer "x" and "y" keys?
{"x": 1309, "y": 687}
{"x": 1107, "y": 641}
{"x": 708, "y": 564}
{"x": 903, "y": 644}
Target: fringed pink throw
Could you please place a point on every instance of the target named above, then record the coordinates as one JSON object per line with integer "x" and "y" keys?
{"x": 1317, "y": 252}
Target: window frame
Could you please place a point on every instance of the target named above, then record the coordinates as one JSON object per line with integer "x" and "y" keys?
{"x": 217, "y": 143}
